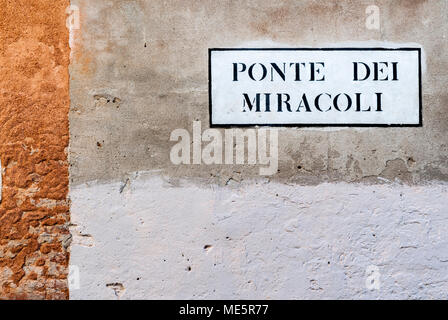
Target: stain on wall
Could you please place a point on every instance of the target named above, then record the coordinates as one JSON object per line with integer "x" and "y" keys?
{"x": 34, "y": 136}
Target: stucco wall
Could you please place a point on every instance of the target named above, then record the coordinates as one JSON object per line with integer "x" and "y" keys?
{"x": 156, "y": 240}
{"x": 343, "y": 201}
{"x": 150, "y": 57}
{"x": 350, "y": 212}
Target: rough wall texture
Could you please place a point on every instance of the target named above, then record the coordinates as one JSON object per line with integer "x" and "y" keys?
{"x": 34, "y": 103}
{"x": 146, "y": 228}
{"x": 140, "y": 70}
{"x": 153, "y": 240}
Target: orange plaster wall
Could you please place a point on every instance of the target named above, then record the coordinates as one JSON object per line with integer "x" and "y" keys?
{"x": 34, "y": 137}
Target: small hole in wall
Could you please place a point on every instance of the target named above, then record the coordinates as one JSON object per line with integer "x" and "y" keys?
{"x": 188, "y": 268}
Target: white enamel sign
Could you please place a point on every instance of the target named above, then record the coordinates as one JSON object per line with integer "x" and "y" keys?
{"x": 315, "y": 87}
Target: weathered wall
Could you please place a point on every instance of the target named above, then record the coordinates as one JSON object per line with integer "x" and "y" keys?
{"x": 34, "y": 104}
{"x": 139, "y": 71}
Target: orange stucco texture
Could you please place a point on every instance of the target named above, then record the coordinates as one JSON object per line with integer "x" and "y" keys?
{"x": 34, "y": 136}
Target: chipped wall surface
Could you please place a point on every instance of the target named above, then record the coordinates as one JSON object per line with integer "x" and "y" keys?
{"x": 344, "y": 202}
{"x": 350, "y": 212}
{"x": 34, "y": 100}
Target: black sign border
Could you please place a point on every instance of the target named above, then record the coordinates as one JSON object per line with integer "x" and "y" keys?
{"x": 302, "y": 125}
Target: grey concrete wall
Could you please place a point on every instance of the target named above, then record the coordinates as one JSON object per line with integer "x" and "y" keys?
{"x": 139, "y": 71}
{"x": 151, "y": 57}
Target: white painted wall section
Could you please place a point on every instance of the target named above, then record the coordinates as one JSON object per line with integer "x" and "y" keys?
{"x": 155, "y": 240}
